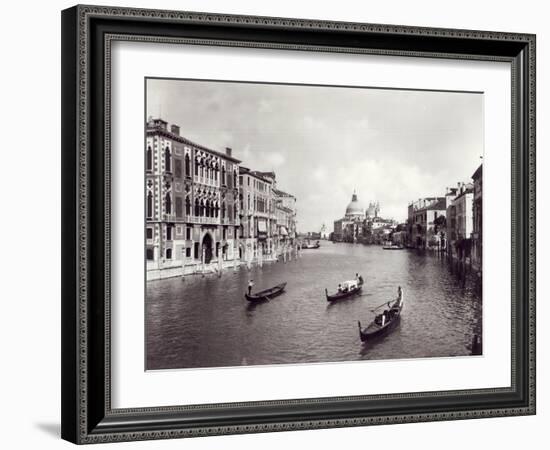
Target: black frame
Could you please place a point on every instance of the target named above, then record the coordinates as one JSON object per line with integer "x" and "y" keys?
{"x": 87, "y": 31}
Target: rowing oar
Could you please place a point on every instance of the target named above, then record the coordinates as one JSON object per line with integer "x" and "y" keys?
{"x": 380, "y": 306}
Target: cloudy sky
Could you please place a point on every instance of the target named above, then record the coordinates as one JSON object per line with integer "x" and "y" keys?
{"x": 391, "y": 146}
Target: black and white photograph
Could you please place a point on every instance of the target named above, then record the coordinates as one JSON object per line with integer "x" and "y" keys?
{"x": 291, "y": 224}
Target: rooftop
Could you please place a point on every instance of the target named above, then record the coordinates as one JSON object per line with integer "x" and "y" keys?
{"x": 282, "y": 193}
{"x": 159, "y": 126}
{"x": 478, "y": 173}
{"x": 254, "y": 173}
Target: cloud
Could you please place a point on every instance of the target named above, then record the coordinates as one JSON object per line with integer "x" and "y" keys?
{"x": 275, "y": 159}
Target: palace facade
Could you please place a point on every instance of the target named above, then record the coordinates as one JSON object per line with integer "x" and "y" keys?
{"x": 205, "y": 212}
{"x": 191, "y": 204}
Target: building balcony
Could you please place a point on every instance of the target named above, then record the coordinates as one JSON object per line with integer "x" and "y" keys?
{"x": 227, "y": 221}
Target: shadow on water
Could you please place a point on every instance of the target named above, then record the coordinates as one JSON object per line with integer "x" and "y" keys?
{"x": 252, "y": 306}
{"x": 373, "y": 342}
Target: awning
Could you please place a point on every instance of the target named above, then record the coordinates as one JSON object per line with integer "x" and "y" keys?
{"x": 283, "y": 231}
{"x": 262, "y": 227}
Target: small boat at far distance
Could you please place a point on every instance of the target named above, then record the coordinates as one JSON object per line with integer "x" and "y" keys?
{"x": 309, "y": 245}
{"x": 385, "y": 321}
{"x": 347, "y": 289}
{"x": 392, "y": 246}
{"x": 266, "y": 294}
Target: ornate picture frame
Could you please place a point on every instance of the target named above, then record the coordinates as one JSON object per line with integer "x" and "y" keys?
{"x": 88, "y": 33}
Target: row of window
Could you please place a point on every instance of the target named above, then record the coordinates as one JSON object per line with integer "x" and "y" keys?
{"x": 169, "y": 233}
{"x": 258, "y": 185}
{"x": 207, "y": 171}
{"x": 202, "y": 208}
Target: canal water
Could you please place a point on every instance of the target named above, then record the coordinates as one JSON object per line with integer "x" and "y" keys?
{"x": 207, "y": 322}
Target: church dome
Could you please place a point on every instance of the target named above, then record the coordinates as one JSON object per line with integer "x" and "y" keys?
{"x": 354, "y": 208}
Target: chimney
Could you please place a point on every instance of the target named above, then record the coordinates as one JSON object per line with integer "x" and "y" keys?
{"x": 228, "y": 151}
{"x": 175, "y": 129}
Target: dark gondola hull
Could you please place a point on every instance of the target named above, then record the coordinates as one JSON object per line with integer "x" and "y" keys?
{"x": 369, "y": 334}
{"x": 373, "y": 329}
{"x": 266, "y": 294}
{"x": 343, "y": 295}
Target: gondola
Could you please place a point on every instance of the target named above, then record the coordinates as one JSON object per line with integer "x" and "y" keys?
{"x": 383, "y": 322}
{"x": 266, "y": 294}
{"x": 310, "y": 246}
{"x": 389, "y": 245}
{"x": 349, "y": 289}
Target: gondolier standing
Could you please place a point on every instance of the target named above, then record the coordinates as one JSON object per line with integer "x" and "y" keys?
{"x": 250, "y": 286}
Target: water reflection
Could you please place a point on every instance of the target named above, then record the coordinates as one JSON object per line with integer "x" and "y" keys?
{"x": 206, "y": 322}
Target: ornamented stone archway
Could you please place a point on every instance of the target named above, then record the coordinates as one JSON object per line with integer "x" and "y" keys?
{"x": 207, "y": 244}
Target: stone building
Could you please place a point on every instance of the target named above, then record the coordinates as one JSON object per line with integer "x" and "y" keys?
{"x": 258, "y": 219}
{"x": 350, "y": 227}
{"x": 460, "y": 223}
{"x": 477, "y": 216}
{"x": 191, "y": 207}
{"x": 285, "y": 212}
{"x": 425, "y": 228}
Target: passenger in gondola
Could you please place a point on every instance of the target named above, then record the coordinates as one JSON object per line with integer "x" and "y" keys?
{"x": 339, "y": 288}
{"x": 360, "y": 278}
{"x": 385, "y": 316}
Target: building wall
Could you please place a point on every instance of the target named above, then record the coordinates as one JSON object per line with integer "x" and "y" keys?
{"x": 477, "y": 218}
{"x": 191, "y": 212}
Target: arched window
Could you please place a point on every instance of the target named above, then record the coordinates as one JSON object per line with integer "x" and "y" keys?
{"x": 197, "y": 207}
{"x": 207, "y": 208}
{"x": 168, "y": 253}
{"x": 167, "y": 160}
{"x": 235, "y": 179}
{"x": 187, "y": 206}
{"x": 187, "y": 166}
{"x": 202, "y": 208}
{"x": 223, "y": 210}
{"x": 149, "y": 205}
{"x": 168, "y": 201}
{"x": 196, "y": 165}
{"x": 149, "y": 158}
{"x": 223, "y": 176}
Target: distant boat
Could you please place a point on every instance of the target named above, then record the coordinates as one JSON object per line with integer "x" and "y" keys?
{"x": 383, "y": 322}
{"x": 347, "y": 289}
{"x": 392, "y": 246}
{"x": 266, "y": 294}
{"x": 311, "y": 246}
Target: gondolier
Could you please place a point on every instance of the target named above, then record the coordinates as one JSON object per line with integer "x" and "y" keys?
{"x": 250, "y": 286}
{"x": 385, "y": 321}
